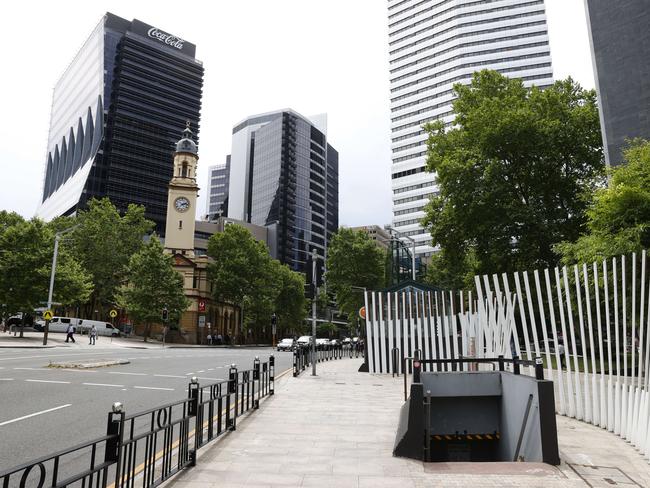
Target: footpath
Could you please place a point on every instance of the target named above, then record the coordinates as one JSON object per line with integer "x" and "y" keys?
{"x": 337, "y": 430}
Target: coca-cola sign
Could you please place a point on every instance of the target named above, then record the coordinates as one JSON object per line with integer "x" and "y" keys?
{"x": 163, "y": 37}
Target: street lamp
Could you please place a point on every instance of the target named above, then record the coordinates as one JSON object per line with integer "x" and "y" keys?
{"x": 402, "y": 236}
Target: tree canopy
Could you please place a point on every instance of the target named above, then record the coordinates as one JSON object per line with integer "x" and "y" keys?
{"x": 353, "y": 260}
{"x": 513, "y": 171}
{"x": 153, "y": 284}
{"x": 618, "y": 221}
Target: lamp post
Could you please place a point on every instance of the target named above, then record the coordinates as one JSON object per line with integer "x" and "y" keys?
{"x": 314, "y": 259}
{"x": 57, "y": 239}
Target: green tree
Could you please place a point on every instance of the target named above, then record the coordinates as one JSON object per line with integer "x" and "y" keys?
{"x": 153, "y": 284}
{"x": 353, "y": 260}
{"x": 290, "y": 298}
{"x": 619, "y": 217}
{"x": 512, "y": 173}
{"x": 104, "y": 242}
{"x": 26, "y": 249}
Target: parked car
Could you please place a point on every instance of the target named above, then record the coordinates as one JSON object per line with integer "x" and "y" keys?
{"x": 322, "y": 342}
{"x": 286, "y": 345}
{"x": 304, "y": 341}
{"x": 335, "y": 342}
{"x": 82, "y": 326}
{"x": 18, "y": 320}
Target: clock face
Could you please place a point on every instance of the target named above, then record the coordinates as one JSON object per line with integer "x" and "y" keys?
{"x": 182, "y": 204}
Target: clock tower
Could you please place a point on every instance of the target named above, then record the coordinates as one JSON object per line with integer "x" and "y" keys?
{"x": 182, "y": 195}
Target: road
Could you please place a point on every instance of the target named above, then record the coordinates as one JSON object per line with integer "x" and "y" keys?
{"x": 47, "y": 409}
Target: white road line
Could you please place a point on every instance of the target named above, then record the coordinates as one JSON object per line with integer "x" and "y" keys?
{"x": 152, "y": 388}
{"x": 33, "y": 369}
{"x": 132, "y": 358}
{"x": 6, "y": 379}
{"x": 76, "y": 370}
{"x": 210, "y": 369}
{"x": 124, "y": 372}
{"x": 102, "y": 384}
{"x": 201, "y": 371}
{"x": 187, "y": 374}
{"x": 204, "y": 378}
{"x": 169, "y": 376}
{"x": 35, "y": 414}
{"x": 49, "y": 381}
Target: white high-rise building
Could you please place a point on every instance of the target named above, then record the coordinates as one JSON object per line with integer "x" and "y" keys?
{"x": 432, "y": 45}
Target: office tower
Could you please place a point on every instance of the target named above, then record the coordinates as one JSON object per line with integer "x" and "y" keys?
{"x": 434, "y": 44}
{"x": 116, "y": 114}
{"x": 284, "y": 174}
{"x": 620, "y": 47}
{"x": 218, "y": 181}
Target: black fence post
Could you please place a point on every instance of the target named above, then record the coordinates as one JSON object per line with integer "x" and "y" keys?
{"x": 232, "y": 389}
{"x": 271, "y": 374}
{"x": 193, "y": 411}
{"x": 113, "y": 452}
{"x": 256, "y": 377}
{"x": 417, "y": 367}
{"x": 539, "y": 368}
{"x": 501, "y": 365}
{"x": 515, "y": 364}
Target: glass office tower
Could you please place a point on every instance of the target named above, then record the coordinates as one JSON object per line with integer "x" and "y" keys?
{"x": 218, "y": 180}
{"x": 284, "y": 173}
{"x": 116, "y": 114}
{"x": 432, "y": 45}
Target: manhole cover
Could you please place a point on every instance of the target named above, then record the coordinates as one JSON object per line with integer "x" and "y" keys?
{"x": 603, "y": 476}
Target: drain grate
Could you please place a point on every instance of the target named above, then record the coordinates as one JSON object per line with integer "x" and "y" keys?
{"x": 603, "y": 476}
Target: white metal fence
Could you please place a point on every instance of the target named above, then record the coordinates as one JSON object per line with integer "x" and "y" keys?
{"x": 590, "y": 324}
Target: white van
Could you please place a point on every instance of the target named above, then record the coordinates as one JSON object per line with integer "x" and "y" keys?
{"x": 82, "y": 326}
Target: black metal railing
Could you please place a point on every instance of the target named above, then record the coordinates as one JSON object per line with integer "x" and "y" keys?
{"x": 302, "y": 355}
{"x": 149, "y": 447}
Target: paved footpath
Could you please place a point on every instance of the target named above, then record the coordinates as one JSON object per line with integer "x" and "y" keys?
{"x": 338, "y": 429}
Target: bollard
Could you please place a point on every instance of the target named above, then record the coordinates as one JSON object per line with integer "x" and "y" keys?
{"x": 501, "y": 365}
{"x": 271, "y": 374}
{"x": 232, "y": 389}
{"x": 515, "y": 364}
{"x": 115, "y": 427}
{"x": 539, "y": 368}
{"x": 417, "y": 367}
{"x": 295, "y": 363}
{"x": 193, "y": 394}
{"x": 256, "y": 368}
{"x": 232, "y": 379}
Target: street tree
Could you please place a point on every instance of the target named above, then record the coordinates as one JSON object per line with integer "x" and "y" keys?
{"x": 152, "y": 285}
{"x": 618, "y": 221}
{"x": 104, "y": 242}
{"x": 353, "y": 260}
{"x": 512, "y": 172}
{"x": 290, "y": 298}
{"x": 26, "y": 249}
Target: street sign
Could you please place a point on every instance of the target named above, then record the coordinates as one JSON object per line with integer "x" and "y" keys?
{"x": 201, "y": 305}
{"x": 201, "y": 321}
{"x": 362, "y": 313}
{"x": 47, "y": 315}
{"x": 113, "y": 313}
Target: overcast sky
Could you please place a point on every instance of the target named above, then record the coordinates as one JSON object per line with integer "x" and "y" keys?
{"x": 310, "y": 55}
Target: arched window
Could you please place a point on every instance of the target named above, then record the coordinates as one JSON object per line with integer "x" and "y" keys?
{"x": 184, "y": 170}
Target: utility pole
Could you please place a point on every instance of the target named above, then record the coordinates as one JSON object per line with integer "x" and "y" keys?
{"x": 314, "y": 259}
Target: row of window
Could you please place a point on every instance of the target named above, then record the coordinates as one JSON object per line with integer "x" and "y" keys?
{"x": 408, "y": 211}
{"x": 410, "y": 156}
{"x": 413, "y": 187}
{"x": 434, "y": 6}
{"x": 456, "y": 17}
{"x": 408, "y": 172}
{"x": 426, "y": 196}
{"x": 408, "y": 146}
{"x": 423, "y": 121}
{"x": 406, "y": 222}
{"x": 486, "y": 62}
{"x": 470, "y": 55}
{"x": 426, "y": 39}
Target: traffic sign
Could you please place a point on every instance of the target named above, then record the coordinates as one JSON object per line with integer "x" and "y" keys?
{"x": 201, "y": 321}
{"x": 113, "y": 313}
{"x": 362, "y": 313}
{"x": 47, "y": 315}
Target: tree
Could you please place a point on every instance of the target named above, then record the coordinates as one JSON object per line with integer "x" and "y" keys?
{"x": 26, "y": 249}
{"x": 104, "y": 242}
{"x": 353, "y": 260}
{"x": 290, "y": 299}
{"x": 512, "y": 173}
{"x": 619, "y": 217}
{"x": 153, "y": 284}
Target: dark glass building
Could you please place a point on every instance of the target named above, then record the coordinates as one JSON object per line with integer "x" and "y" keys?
{"x": 284, "y": 174}
{"x": 116, "y": 114}
{"x": 619, "y": 32}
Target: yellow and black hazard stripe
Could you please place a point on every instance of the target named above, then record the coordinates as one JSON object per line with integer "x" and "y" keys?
{"x": 469, "y": 437}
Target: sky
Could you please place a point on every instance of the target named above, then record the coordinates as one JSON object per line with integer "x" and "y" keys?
{"x": 313, "y": 56}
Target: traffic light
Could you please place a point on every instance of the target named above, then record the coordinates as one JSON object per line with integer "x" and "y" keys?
{"x": 165, "y": 314}
{"x": 320, "y": 270}
{"x": 274, "y": 319}
{"x": 309, "y": 290}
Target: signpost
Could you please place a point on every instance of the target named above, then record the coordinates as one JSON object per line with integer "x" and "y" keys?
{"x": 274, "y": 326}
{"x": 112, "y": 314}
{"x": 47, "y": 315}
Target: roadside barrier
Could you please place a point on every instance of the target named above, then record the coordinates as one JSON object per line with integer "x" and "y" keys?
{"x": 302, "y": 355}
{"x": 149, "y": 447}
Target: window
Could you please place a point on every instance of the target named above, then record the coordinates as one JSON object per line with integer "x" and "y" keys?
{"x": 180, "y": 224}
{"x": 184, "y": 170}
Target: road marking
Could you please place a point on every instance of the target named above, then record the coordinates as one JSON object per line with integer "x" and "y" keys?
{"x": 6, "y": 379}
{"x": 33, "y": 369}
{"x": 76, "y": 370}
{"x": 49, "y": 381}
{"x": 35, "y": 414}
{"x": 169, "y": 376}
{"x": 201, "y": 371}
{"x": 213, "y": 379}
{"x": 152, "y": 388}
{"x": 187, "y": 374}
{"x": 102, "y": 384}
{"x": 210, "y": 369}
{"x": 124, "y": 372}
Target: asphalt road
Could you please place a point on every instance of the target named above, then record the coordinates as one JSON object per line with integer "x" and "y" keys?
{"x": 43, "y": 409}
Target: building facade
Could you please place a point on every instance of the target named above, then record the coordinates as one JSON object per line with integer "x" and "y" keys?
{"x": 434, "y": 44}
{"x": 620, "y": 46}
{"x": 284, "y": 174}
{"x": 378, "y": 234}
{"x": 218, "y": 181}
{"x": 116, "y": 114}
